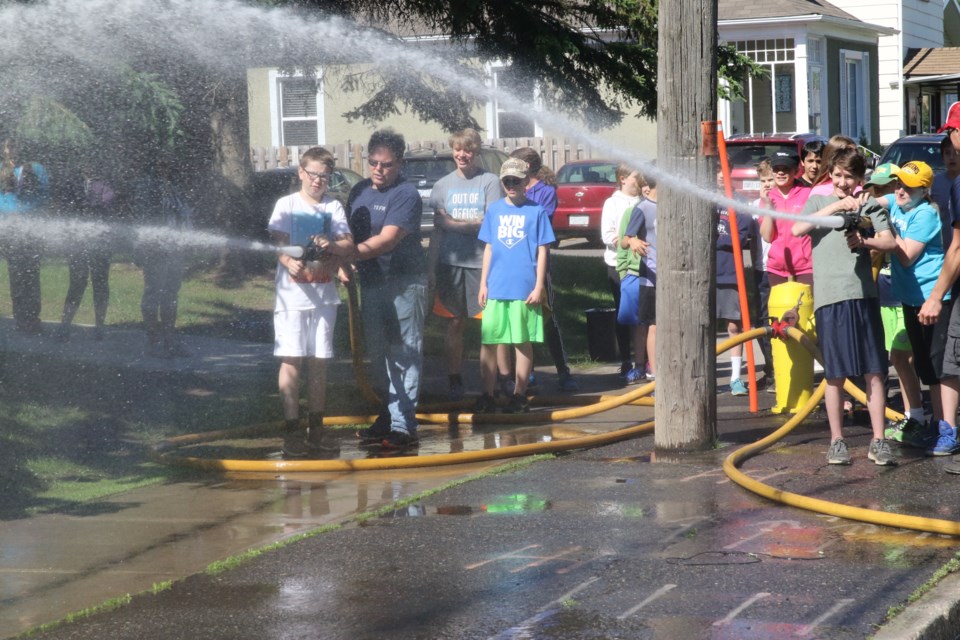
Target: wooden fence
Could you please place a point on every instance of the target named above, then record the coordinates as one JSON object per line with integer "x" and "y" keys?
{"x": 555, "y": 152}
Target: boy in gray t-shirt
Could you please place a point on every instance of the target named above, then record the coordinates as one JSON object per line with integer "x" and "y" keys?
{"x": 459, "y": 201}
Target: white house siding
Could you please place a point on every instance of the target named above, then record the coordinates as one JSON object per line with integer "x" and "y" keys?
{"x": 919, "y": 24}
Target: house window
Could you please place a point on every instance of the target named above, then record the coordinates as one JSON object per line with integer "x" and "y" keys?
{"x": 854, "y": 95}
{"x": 506, "y": 120}
{"x": 299, "y": 117}
{"x": 770, "y": 100}
{"x": 815, "y": 85}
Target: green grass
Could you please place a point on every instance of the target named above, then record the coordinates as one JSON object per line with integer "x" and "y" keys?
{"x": 951, "y": 566}
{"x": 244, "y": 308}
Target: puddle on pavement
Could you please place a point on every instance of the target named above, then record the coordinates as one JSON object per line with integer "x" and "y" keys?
{"x": 433, "y": 440}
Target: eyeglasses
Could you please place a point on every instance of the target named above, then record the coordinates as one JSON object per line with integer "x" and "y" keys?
{"x": 313, "y": 175}
{"x": 381, "y": 165}
{"x": 511, "y": 182}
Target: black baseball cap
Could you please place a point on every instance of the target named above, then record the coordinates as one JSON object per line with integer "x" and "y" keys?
{"x": 784, "y": 158}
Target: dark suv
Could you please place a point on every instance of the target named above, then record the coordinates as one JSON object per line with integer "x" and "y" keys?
{"x": 746, "y": 150}
{"x": 423, "y": 168}
{"x": 923, "y": 146}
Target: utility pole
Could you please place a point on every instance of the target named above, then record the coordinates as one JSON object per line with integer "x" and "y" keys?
{"x": 686, "y": 405}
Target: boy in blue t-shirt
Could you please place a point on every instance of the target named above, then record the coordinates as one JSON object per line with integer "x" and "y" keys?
{"x": 516, "y": 232}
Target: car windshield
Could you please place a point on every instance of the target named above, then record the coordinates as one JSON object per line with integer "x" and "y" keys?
{"x": 602, "y": 173}
{"x": 746, "y": 156}
{"x": 901, "y": 153}
{"x": 429, "y": 169}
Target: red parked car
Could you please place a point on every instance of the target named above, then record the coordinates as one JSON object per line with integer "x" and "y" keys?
{"x": 582, "y": 188}
{"x": 746, "y": 150}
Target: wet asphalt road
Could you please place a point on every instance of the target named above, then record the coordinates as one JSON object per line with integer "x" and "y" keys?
{"x": 598, "y": 544}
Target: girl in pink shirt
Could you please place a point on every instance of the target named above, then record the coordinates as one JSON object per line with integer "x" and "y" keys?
{"x": 789, "y": 256}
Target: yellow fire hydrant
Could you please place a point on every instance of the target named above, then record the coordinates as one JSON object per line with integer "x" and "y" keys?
{"x": 792, "y": 363}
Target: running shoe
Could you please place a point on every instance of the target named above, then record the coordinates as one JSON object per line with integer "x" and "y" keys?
{"x": 485, "y": 404}
{"x": 399, "y": 441}
{"x": 518, "y": 404}
{"x": 373, "y": 434}
{"x": 947, "y": 442}
{"x": 567, "y": 383}
{"x": 953, "y": 467}
{"x": 880, "y": 453}
{"x": 636, "y": 376}
{"x": 923, "y": 437}
{"x": 838, "y": 453}
{"x": 902, "y": 430}
{"x": 737, "y": 388}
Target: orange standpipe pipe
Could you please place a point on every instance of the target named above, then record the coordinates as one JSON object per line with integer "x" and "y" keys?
{"x": 738, "y": 261}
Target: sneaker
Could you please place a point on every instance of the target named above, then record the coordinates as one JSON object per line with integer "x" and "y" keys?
{"x": 485, "y": 404}
{"x": 947, "y": 442}
{"x": 880, "y": 453}
{"x": 373, "y": 434}
{"x": 902, "y": 430}
{"x": 455, "y": 393}
{"x": 635, "y": 376}
{"x": 838, "y": 453}
{"x": 518, "y": 404}
{"x": 737, "y": 388}
{"x": 924, "y": 437}
{"x": 399, "y": 441}
{"x": 772, "y": 385}
{"x": 567, "y": 383}
{"x": 649, "y": 373}
{"x": 625, "y": 368}
{"x": 532, "y": 381}
{"x": 953, "y": 466}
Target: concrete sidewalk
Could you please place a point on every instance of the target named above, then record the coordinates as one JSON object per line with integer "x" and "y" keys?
{"x": 609, "y": 542}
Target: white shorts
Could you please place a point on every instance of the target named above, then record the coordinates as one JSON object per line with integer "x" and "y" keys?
{"x": 305, "y": 333}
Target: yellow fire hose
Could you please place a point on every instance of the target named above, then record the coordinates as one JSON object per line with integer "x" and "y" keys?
{"x": 448, "y": 414}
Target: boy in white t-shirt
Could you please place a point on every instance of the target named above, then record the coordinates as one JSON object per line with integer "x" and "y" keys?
{"x": 307, "y": 299}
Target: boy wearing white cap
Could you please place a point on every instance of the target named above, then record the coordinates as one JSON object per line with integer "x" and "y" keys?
{"x": 516, "y": 232}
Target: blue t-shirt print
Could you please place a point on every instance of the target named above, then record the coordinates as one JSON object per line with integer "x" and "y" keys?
{"x": 514, "y": 234}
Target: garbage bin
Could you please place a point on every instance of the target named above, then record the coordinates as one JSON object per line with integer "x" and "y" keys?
{"x": 602, "y": 334}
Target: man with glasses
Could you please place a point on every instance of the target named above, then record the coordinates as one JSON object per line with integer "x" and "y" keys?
{"x": 384, "y": 212}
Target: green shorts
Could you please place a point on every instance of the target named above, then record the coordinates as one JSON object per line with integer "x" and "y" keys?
{"x": 894, "y": 331}
{"x": 511, "y": 322}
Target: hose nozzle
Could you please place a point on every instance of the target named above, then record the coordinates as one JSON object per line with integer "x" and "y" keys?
{"x": 307, "y": 253}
